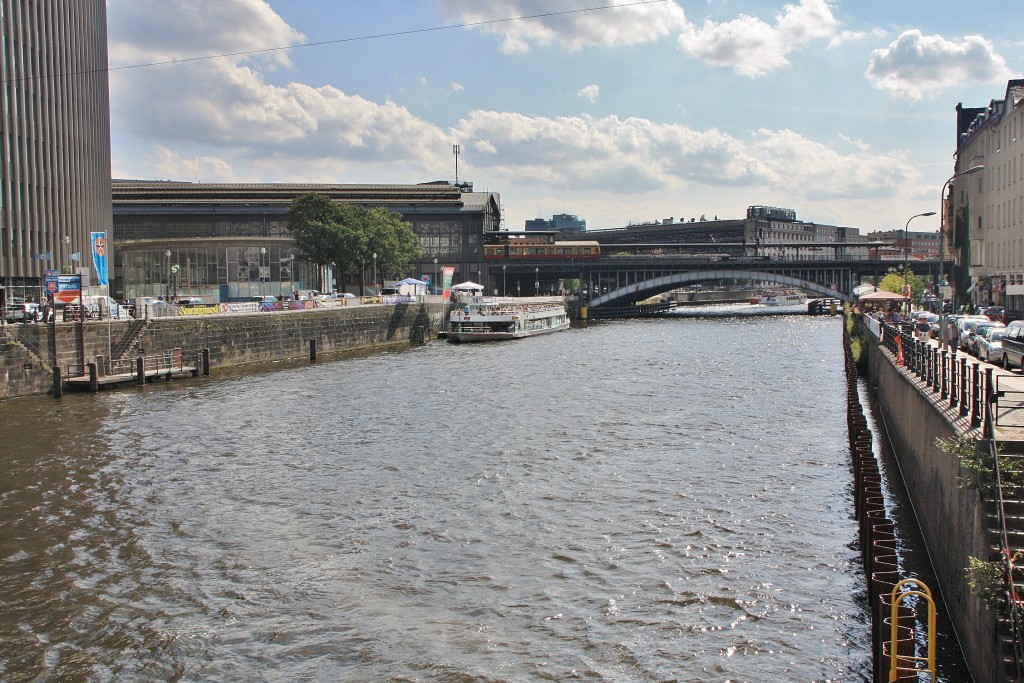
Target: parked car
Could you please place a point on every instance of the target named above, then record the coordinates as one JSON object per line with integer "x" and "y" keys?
{"x": 990, "y": 345}
{"x": 22, "y": 313}
{"x": 264, "y": 299}
{"x": 1009, "y": 315}
{"x": 992, "y": 312}
{"x": 975, "y": 335}
{"x": 191, "y": 301}
{"x": 1013, "y": 345}
{"x": 966, "y": 325}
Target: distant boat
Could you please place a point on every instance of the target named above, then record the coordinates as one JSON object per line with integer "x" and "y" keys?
{"x": 786, "y": 297}
{"x": 756, "y": 299}
{"x": 500, "y": 318}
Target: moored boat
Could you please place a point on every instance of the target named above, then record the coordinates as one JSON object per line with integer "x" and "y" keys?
{"x": 788, "y": 297}
{"x": 499, "y": 318}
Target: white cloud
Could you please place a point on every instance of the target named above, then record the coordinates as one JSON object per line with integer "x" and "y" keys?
{"x": 567, "y": 26}
{"x": 226, "y": 104}
{"x": 916, "y": 66}
{"x": 170, "y": 165}
{"x": 457, "y": 87}
{"x": 753, "y": 47}
{"x": 156, "y": 30}
{"x": 637, "y": 155}
{"x": 590, "y": 92}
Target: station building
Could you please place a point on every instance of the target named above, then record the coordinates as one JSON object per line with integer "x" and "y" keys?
{"x": 228, "y": 242}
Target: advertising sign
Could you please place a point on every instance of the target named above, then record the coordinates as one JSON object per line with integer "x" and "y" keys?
{"x": 69, "y": 289}
{"x": 449, "y": 273}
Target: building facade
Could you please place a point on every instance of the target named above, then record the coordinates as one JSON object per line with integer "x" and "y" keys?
{"x": 986, "y": 208}
{"x": 225, "y": 242}
{"x": 54, "y": 139}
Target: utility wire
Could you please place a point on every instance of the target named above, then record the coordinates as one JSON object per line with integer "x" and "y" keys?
{"x": 336, "y": 41}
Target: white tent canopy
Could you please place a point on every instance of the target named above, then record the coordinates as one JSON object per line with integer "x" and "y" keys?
{"x": 468, "y": 286}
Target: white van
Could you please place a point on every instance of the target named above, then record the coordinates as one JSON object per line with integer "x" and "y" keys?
{"x": 99, "y": 306}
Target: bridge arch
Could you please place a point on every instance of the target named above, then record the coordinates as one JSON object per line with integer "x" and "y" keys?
{"x": 643, "y": 289}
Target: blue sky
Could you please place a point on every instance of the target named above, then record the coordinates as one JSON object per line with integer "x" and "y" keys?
{"x": 842, "y": 110}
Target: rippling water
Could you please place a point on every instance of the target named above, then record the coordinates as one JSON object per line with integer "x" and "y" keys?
{"x": 658, "y": 500}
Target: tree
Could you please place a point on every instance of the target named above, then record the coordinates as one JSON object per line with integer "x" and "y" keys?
{"x": 393, "y": 241}
{"x": 347, "y": 235}
{"x": 313, "y": 222}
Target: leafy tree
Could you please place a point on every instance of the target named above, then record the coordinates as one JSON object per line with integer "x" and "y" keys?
{"x": 347, "y": 235}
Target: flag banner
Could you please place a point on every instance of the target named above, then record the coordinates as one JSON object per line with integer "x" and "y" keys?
{"x": 99, "y": 257}
{"x": 77, "y": 256}
{"x": 449, "y": 273}
{"x": 45, "y": 256}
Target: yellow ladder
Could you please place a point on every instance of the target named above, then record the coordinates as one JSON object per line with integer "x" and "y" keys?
{"x": 912, "y": 663}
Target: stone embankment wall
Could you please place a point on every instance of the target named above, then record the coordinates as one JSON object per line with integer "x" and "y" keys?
{"x": 952, "y": 520}
{"x": 232, "y": 339}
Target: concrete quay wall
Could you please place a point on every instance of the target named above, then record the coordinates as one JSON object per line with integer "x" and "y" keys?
{"x": 951, "y": 519}
{"x": 233, "y": 340}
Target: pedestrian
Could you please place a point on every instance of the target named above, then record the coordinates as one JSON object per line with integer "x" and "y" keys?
{"x": 954, "y": 336}
{"x": 44, "y": 308}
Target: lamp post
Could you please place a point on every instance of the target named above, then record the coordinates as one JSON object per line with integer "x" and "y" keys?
{"x": 536, "y": 281}
{"x": 942, "y": 217}
{"x": 375, "y": 273}
{"x": 906, "y": 251}
{"x": 167, "y": 292}
{"x": 263, "y": 253}
{"x": 291, "y": 269}
{"x": 435, "y": 276}
{"x": 504, "y": 292}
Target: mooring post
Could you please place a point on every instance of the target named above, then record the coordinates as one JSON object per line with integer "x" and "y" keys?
{"x": 94, "y": 382}
{"x": 312, "y": 350}
{"x": 58, "y": 383}
{"x": 140, "y": 370}
{"x": 206, "y": 362}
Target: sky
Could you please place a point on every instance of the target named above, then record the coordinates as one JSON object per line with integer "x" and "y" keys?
{"x": 617, "y": 111}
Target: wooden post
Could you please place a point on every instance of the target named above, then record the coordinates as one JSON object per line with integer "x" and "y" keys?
{"x": 312, "y": 350}
{"x": 94, "y": 382}
{"x": 206, "y": 362}
{"x": 58, "y": 383}
{"x": 140, "y": 370}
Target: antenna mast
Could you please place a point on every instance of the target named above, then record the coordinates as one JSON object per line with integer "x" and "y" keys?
{"x": 455, "y": 151}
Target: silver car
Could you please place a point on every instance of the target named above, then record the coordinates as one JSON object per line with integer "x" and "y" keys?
{"x": 990, "y": 345}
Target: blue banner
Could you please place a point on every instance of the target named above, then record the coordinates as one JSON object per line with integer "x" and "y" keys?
{"x": 99, "y": 257}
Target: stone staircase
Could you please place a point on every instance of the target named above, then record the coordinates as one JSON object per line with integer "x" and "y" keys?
{"x": 130, "y": 340}
{"x": 1006, "y": 532}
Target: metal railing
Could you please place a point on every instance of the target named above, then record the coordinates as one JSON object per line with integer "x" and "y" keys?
{"x": 967, "y": 387}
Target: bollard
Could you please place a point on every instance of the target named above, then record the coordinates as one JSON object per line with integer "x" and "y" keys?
{"x": 312, "y": 350}
{"x": 94, "y": 382}
{"x": 58, "y": 384}
{"x": 140, "y": 370}
{"x": 206, "y": 362}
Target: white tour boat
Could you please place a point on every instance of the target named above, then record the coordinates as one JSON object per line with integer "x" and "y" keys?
{"x": 788, "y": 297}
{"x": 496, "y": 318}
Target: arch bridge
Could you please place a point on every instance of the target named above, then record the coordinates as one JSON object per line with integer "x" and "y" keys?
{"x": 629, "y": 287}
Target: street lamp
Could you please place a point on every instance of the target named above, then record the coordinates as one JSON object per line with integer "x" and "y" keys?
{"x": 291, "y": 268}
{"x": 906, "y": 250}
{"x": 435, "y": 276}
{"x": 504, "y": 292}
{"x": 263, "y": 253}
{"x": 942, "y": 217}
{"x": 375, "y": 272}
{"x": 167, "y": 292}
{"x": 536, "y": 281}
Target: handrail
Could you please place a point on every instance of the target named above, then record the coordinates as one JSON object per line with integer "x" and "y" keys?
{"x": 1015, "y": 608}
{"x": 897, "y": 597}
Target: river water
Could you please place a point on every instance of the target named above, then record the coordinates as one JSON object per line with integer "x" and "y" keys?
{"x": 642, "y": 500}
